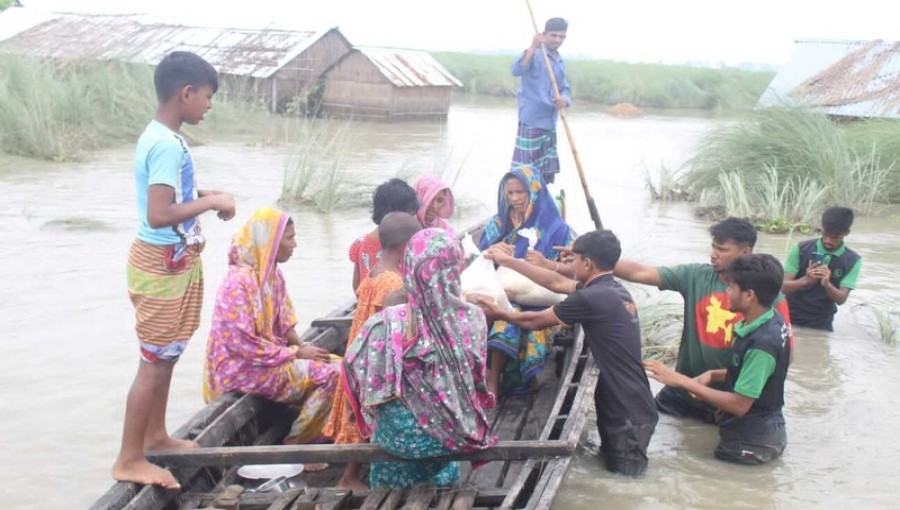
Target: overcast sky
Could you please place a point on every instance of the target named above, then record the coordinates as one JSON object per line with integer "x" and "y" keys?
{"x": 666, "y": 31}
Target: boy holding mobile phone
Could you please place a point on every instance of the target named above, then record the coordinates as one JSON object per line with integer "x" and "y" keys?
{"x": 820, "y": 273}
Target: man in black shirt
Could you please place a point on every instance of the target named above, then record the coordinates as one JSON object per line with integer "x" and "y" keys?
{"x": 626, "y": 412}
{"x": 751, "y": 424}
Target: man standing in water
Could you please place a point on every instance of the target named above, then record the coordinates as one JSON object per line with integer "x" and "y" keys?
{"x": 626, "y": 414}
{"x": 820, "y": 273}
{"x": 751, "y": 424}
{"x": 709, "y": 324}
{"x": 538, "y": 105}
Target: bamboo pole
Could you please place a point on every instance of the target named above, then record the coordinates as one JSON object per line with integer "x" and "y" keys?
{"x": 592, "y": 207}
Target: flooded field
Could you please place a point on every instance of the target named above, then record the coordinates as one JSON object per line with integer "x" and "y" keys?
{"x": 70, "y": 353}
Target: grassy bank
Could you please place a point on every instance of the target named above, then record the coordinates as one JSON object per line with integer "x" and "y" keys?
{"x": 62, "y": 113}
{"x": 785, "y": 165}
{"x": 607, "y": 82}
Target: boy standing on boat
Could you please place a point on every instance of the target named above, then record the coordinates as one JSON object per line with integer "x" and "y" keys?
{"x": 751, "y": 424}
{"x": 538, "y": 105}
{"x": 626, "y": 413}
{"x": 820, "y": 273}
{"x": 708, "y": 322}
{"x": 165, "y": 276}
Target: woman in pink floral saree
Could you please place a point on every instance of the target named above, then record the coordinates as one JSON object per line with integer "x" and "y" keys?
{"x": 415, "y": 373}
{"x": 253, "y": 346}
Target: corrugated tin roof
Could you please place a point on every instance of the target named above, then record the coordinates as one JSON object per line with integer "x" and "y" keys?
{"x": 844, "y": 78}
{"x": 244, "y": 52}
{"x": 409, "y": 68}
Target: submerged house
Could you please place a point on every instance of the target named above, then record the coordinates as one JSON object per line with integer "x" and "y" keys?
{"x": 387, "y": 84}
{"x": 271, "y": 65}
{"x": 846, "y": 79}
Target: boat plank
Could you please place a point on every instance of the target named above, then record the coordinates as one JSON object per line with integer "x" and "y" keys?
{"x": 363, "y": 452}
{"x": 420, "y": 497}
{"x": 334, "y": 499}
{"x": 307, "y": 500}
{"x": 465, "y": 499}
{"x": 228, "y": 498}
{"x": 333, "y": 322}
{"x": 392, "y": 502}
{"x": 445, "y": 499}
{"x": 284, "y": 500}
{"x": 374, "y": 499}
{"x": 507, "y": 425}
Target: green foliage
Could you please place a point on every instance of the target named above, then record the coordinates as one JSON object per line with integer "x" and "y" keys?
{"x": 886, "y": 323}
{"x": 58, "y": 114}
{"x": 61, "y": 112}
{"x": 784, "y": 165}
{"x": 661, "y": 324}
{"x": 315, "y": 174}
{"x": 607, "y": 82}
{"x": 5, "y": 4}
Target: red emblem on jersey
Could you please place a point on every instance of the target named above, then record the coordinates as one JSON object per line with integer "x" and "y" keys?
{"x": 714, "y": 322}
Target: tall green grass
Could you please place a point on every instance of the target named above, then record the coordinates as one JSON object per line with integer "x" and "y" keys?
{"x": 661, "y": 324}
{"x": 607, "y": 82}
{"x": 61, "y": 112}
{"x": 790, "y": 163}
{"x": 315, "y": 173}
{"x": 58, "y": 114}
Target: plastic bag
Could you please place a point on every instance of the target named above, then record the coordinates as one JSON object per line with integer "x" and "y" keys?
{"x": 481, "y": 278}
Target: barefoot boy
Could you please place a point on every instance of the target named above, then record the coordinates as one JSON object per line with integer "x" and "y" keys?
{"x": 165, "y": 277}
{"x": 751, "y": 425}
{"x": 394, "y": 231}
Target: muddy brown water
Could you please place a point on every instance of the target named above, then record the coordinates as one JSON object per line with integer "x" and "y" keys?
{"x": 69, "y": 353}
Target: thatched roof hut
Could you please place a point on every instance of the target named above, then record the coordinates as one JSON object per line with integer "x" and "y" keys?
{"x": 272, "y": 65}
{"x": 387, "y": 84}
{"x": 849, "y": 79}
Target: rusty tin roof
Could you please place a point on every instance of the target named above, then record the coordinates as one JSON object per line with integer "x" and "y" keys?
{"x": 259, "y": 53}
{"x": 409, "y": 68}
{"x": 843, "y": 78}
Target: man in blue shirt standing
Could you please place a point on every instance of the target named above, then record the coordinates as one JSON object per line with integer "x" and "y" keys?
{"x": 538, "y": 105}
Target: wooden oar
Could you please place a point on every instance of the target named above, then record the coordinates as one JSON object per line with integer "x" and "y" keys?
{"x": 592, "y": 207}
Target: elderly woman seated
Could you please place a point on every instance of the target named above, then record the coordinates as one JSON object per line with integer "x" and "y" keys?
{"x": 253, "y": 346}
{"x": 524, "y": 208}
{"x": 415, "y": 373}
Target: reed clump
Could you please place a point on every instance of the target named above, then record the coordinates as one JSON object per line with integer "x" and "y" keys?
{"x": 62, "y": 111}
{"x": 784, "y": 165}
{"x": 661, "y": 323}
{"x": 315, "y": 173}
{"x": 59, "y": 113}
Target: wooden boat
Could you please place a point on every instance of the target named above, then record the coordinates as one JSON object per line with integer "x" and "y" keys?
{"x": 538, "y": 432}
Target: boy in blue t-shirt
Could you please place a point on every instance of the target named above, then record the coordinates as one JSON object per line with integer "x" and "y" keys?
{"x": 749, "y": 407}
{"x": 165, "y": 276}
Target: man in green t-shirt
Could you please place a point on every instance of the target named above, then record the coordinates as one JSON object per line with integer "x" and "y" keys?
{"x": 708, "y": 321}
{"x": 820, "y": 273}
{"x": 751, "y": 423}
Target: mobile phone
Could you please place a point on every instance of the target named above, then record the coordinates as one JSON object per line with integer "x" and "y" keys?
{"x": 818, "y": 258}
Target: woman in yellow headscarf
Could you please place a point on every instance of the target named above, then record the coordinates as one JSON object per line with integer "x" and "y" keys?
{"x": 253, "y": 346}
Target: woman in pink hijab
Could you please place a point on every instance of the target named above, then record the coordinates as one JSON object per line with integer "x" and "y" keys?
{"x": 435, "y": 203}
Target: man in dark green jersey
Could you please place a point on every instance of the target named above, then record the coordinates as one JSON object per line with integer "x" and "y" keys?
{"x": 709, "y": 321}
{"x": 751, "y": 424}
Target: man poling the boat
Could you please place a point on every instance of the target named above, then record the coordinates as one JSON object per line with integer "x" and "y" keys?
{"x": 539, "y": 104}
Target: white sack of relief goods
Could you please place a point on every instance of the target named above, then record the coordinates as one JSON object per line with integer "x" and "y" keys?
{"x": 519, "y": 289}
{"x": 480, "y": 278}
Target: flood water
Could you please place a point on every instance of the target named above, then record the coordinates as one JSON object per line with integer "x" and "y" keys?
{"x": 69, "y": 352}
